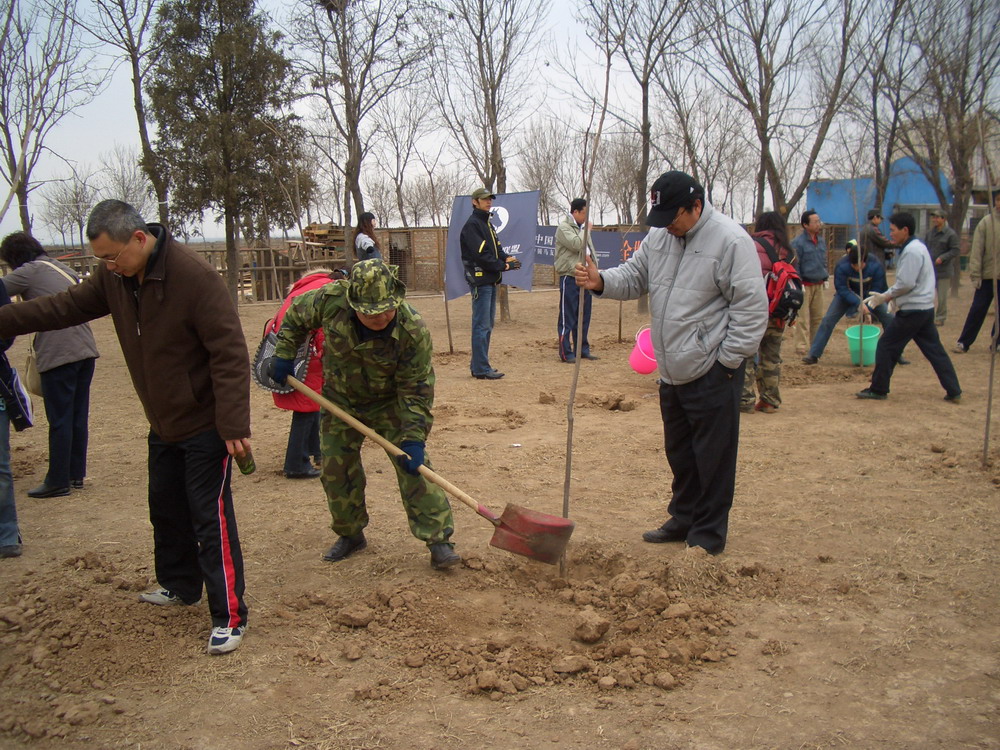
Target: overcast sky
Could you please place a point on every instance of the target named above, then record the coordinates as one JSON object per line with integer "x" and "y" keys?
{"x": 95, "y": 129}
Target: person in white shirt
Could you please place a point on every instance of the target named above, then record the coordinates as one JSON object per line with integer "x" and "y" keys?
{"x": 913, "y": 293}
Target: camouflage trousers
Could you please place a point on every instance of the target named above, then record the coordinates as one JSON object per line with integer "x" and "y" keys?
{"x": 766, "y": 371}
{"x": 427, "y": 508}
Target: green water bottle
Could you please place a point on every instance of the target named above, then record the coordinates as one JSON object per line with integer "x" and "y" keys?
{"x": 245, "y": 462}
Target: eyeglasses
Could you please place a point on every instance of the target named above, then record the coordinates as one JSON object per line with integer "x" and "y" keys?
{"x": 113, "y": 261}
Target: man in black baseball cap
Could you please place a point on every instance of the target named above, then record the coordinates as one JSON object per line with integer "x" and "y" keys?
{"x": 671, "y": 192}
{"x": 709, "y": 311}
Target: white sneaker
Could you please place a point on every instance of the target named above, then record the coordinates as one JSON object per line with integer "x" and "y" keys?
{"x": 162, "y": 597}
{"x": 224, "y": 640}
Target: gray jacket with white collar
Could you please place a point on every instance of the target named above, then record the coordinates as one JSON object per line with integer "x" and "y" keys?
{"x": 707, "y": 298}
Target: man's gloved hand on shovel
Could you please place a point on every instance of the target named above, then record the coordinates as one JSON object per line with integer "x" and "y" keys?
{"x": 280, "y": 369}
{"x": 415, "y": 449}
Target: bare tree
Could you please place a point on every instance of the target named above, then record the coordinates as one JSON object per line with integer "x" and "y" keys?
{"x": 402, "y": 119}
{"x": 442, "y": 185}
{"x": 482, "y": 73}
{"x": 356, "y": 54}
{"x": 540, "y": 157}
{"x": 124, "y": 178}
{"x": 127, "y": 26}
{"x": 381, "y": 197}
{"x": 67, "y": 202}
{"x": 713, "y": 140}
{"x": 644, "y": 34}
{"x": 621, "y": 159}
{"x": 789, "y": 65}
{"x": 957, "y": 74}
{"x": 44, "y": 74}
{"x": 54, "y": 212}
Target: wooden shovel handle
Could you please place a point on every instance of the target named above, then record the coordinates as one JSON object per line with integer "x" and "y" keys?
{"x": 392, "y": 449}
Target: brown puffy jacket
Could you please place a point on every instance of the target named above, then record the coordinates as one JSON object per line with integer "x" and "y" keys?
{"x": 181, "y": 338}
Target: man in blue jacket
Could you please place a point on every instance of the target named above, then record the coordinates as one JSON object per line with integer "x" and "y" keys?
{"x": 850, "y": 281}
{"x": 810, "y": 253}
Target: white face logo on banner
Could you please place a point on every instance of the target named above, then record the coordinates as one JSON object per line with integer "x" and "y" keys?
{"x": 501, "y": 216}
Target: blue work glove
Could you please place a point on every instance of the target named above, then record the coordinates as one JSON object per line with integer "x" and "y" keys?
{"x": 412, "y": 464}
{"x": 280, "y": 369}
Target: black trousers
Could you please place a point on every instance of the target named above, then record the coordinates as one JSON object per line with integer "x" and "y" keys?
{"x": 195, "y": 540}
{"x": 917, "y": 326}
{"x": 981, "y": 302}
{"x": 66, "y": 392}
{"x": 701, "y": 429}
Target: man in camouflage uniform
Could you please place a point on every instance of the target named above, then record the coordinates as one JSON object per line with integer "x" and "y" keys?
{"x": 377, "y": 367}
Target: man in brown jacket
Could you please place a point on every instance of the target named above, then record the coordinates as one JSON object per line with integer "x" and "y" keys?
{"x": 185, "y": 351}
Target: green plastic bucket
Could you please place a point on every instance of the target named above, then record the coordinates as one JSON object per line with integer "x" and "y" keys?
{"x": 861, "y": 342}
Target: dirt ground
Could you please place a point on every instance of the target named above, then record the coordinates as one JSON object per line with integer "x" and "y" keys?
{"x": 854, "y": 606}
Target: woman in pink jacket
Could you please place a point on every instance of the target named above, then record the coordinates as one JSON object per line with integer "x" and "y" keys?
{"x": 303, "y": 435}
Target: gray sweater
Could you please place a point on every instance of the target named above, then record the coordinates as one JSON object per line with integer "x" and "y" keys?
{"x": 915, "y": 281}
{"x": 40, "y": 278}
{"x": 707, "y": 298}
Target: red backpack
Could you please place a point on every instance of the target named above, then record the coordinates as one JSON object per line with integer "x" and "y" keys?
{"x": 784, "y": 287}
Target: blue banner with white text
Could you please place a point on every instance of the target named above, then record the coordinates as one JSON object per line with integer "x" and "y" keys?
{"x": 612, "y": 248}
{"x": 514, "y": 219}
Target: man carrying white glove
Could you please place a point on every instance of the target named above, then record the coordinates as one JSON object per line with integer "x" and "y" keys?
{"x": 913, "y": 293}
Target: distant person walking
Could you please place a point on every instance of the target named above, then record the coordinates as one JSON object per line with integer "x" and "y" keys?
{"x": 984, "y": 273}
{"x": 65, "y": 361}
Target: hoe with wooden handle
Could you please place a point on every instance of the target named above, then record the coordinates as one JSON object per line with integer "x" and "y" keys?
{"x": 524, "y": 532}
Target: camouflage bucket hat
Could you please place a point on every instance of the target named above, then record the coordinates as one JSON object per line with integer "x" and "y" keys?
{"x": 374, "y": 287}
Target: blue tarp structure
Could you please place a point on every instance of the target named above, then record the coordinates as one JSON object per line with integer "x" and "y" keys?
{"x": 848, "y": 201}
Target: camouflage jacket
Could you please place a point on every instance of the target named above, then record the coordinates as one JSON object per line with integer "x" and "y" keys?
{"x": 394, "y": 373}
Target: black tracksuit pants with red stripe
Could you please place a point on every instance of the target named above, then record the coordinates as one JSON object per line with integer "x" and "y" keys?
{"x": 195, "y": 541}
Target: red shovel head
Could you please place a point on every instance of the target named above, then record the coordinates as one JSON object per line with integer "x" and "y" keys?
{"x": 529, "y": 533}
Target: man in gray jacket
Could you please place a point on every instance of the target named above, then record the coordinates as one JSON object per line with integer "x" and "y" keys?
{"x": 709, "y": 312}
{"x": 569, "y": 243}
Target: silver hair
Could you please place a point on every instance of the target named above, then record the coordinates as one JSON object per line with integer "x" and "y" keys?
{"x": 115, "y": 218}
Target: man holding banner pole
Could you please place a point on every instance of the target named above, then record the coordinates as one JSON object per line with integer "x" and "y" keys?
{"x": 484, "y": 262}
{"x": 569, "y": 243}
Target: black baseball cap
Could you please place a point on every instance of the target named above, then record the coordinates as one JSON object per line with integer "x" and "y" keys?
{"x": 671, "y": 191}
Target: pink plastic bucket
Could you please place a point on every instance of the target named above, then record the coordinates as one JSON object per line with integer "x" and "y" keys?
{"x": 644, "y": 340}
{"x": 642, "y": 359}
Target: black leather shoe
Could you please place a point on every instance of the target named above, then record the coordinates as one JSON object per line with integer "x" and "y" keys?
{"x": 344, "y": 547}
{"x": 902, "y": 361}
{"x": 661, "y": 535}
{"x": 309, "y": 473}
{"x": 588, "y": 355}
{"x": 810, "y": 360}
{"x": 570, "y": 360}
{"x": 491, "y": 375}
{"x": 76, "y": 484}
{"x": 443, "y": 556}
{"x": 44, "y": 490}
